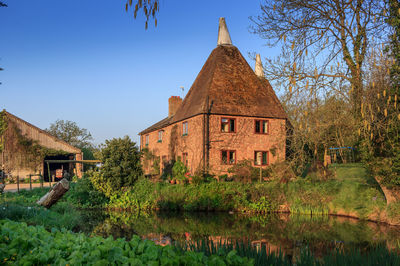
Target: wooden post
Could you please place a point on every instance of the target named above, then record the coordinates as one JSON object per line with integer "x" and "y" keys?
{"x": 41, "y": 179}
{"x": 59, "y": 189}
{"x": 48, "y": 171}
{"x": 18, "y": 183}
{"x": 30, "y": 182}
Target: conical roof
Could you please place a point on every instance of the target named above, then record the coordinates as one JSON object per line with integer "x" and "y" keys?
{"x": 232, "y": 88}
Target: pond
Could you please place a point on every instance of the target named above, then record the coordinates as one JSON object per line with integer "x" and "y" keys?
{"x": 285, "y": 232}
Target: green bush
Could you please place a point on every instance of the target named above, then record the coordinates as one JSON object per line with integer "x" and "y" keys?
{"x": 179, "y": 170}
{"x": 84, "y": 195}
{"x": 121, "y": 166}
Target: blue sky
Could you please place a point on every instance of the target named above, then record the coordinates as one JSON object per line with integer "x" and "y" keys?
{"x": 90, "y": 62}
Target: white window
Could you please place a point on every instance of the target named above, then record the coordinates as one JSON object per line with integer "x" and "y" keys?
{"x": 228, "y": 125}
{"x": 260, "y": 158}
{"x": 185, "y": 128}
{"x": 261, "y": 127}
{"x": 160, "y": 135}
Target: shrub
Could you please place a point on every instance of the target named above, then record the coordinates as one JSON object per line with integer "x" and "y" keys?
{"x": 121, "y": 166}
{"x": 84, "y": 194}
{"x": 244, "y": 172}
{"x": 179, "y": 170}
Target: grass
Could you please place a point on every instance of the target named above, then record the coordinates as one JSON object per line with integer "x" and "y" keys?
{"x": 351, "y": 191}
{"x": 22, "y": 207}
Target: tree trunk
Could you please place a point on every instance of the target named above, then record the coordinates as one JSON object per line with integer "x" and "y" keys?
{"x": 2, "y": 186}
{"x": 54, "y": 194}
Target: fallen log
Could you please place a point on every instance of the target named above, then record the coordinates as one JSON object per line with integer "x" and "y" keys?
{"x": 54, "y": 194}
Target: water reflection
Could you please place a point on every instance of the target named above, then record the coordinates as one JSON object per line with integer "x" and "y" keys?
{"x": 289, "y": 233}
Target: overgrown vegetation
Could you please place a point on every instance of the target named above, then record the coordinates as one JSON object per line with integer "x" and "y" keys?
{"x": 121, "y": 166}
{"x": 22, "y": 244}
{"x": 350, "y": 192}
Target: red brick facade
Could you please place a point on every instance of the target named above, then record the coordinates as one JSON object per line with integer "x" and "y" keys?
{"x": 244, "y": 142}
{"x": 230, "y": 114}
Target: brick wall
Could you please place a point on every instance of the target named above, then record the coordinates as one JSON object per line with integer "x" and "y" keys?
{"x": 244, "y": 141}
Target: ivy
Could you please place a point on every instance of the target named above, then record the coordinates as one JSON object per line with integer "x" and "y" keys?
{"x": 32, "y": 152}
{"x": 3, "y": 128}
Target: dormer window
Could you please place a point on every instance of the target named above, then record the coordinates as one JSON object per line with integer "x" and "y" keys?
{"x": 261, "y": 127}
{"x": 227, "y": 124}
{"x": 160, "y": 135}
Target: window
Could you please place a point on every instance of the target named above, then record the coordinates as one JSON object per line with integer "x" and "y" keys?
{"x": 185, "y": 129}
{"x": 261, "y": 126}
{"x": 147, "y": 140}
{"x": 160, "y": 135}
{"x": 185, "y": 158}
{"x": 227, "y": 125}
{"x": 260, "y": 158}
{"x": 228, "y": 157}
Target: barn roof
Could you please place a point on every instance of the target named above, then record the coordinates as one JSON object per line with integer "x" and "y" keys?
{"x": 44, "y": 138}
{"x": 230, "y": 86}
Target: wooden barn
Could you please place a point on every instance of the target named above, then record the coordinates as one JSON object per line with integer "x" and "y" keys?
{"x": 26, "y": 150}
{"x": 230, "y": 114}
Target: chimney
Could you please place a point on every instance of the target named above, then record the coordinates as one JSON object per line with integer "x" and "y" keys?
{"x": 223, "y": 34}
{"x": 259, "y": 68}
{"x": 173, "y": 104}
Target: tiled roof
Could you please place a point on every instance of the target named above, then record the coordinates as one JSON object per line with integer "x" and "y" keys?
{"x": 232, "y": 88}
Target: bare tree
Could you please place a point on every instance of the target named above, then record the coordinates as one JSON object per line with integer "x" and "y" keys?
{"x": 325, "y": 44}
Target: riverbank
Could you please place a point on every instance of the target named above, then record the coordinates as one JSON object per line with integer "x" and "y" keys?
{"x": 350, "y": 192}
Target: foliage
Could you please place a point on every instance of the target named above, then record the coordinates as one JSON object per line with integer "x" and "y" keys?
{"x": 60, "y": 216}
{"x": 243, "y": 171}
{"x": 380, "y": 129}
{"x": 22, "y": 244}
{"x": 82, "y": 194}
{"x": 150, "y": 8}
{"x": 25, "y": 152}
{"x": 179, "y": 170}
{"x": 350, "y": 191}
{"x": 3, "y": 128}
{"x": 71, "y": 133}
{"x": 65, "y": 214}
{"x": 121, "y": 166}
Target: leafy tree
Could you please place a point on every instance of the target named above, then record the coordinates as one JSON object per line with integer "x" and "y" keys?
{"x": 121, "y": 166}
{"x": 71, "y": 133}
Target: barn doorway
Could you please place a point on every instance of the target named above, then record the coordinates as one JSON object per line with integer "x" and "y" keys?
{"x": 58, "y": 170}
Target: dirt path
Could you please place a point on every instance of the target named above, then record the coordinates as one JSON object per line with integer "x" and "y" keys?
{"x": 24, "y": 186}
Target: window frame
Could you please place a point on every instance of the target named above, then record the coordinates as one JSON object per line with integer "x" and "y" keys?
{"x": 262, "y": 163}
{"x": 229, "y": 125}
{"x": 185, "y": 128}
{"x": 160, "y": 136}
{"x": 255, "y": 127}
{"x": 228, "y": 159}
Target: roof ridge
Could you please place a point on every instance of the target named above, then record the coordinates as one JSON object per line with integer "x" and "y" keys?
{"x": 43, "y": 131}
